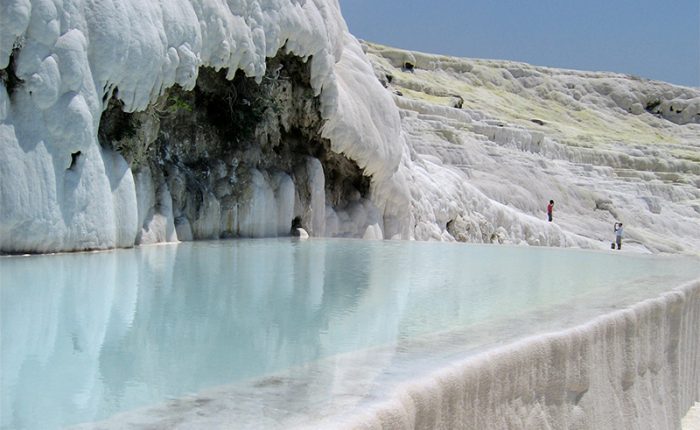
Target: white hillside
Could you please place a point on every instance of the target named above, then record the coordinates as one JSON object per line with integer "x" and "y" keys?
{"x": 494, "y": 141}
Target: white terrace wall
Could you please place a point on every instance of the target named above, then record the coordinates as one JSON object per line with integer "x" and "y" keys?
{"x": 635, "y": 368}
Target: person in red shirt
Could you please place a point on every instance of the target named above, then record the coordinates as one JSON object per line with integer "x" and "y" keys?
{"x": 550, "y": 208}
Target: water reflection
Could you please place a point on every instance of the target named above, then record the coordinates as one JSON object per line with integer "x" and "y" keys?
{"x": 85, "y": 336}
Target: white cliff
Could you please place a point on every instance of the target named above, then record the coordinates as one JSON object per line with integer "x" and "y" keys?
{"x": 64, "y": 188}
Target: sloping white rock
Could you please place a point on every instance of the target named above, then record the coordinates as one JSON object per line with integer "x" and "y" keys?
{"x": 491, "y": 142}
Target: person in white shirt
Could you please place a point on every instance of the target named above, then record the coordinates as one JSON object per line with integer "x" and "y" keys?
{"x": 618, "y": 234}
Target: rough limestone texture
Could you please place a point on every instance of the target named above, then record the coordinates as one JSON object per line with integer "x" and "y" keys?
{"x": 635, "y": 368}
{"x": 493, "y": 141}
{"x": 128, "y": 123}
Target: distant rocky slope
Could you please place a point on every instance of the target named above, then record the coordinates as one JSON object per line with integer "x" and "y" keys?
{"x": 134, "y": 123}
{"x": 511, "y": 136}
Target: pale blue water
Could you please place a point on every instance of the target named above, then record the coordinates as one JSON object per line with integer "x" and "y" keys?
{"x": 86, "y": 336}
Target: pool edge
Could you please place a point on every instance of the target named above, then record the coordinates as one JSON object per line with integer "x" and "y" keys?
{"x": 631, "y": 368}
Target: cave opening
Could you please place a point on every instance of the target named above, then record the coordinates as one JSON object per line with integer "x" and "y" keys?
{"x": 207, "y": 141}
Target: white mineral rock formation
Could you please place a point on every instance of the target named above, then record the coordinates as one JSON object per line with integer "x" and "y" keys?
{"x": 493, "y": 141}
{"x": 575, "y": 379}
{"x": 454, "y": 149}
{"x": 61, "y": 63}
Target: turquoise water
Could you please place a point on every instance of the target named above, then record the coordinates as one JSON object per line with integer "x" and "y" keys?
{"x": 90, "y": 335}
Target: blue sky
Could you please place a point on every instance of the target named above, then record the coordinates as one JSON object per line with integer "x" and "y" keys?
{"x": 653, "y": 39}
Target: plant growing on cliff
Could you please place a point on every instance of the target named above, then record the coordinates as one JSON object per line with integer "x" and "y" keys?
{"x": 177, "y": 104}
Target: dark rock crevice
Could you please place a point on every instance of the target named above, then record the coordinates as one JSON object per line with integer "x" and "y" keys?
{"x": 8, "y": 77}
{"x": 205, "y": 144}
